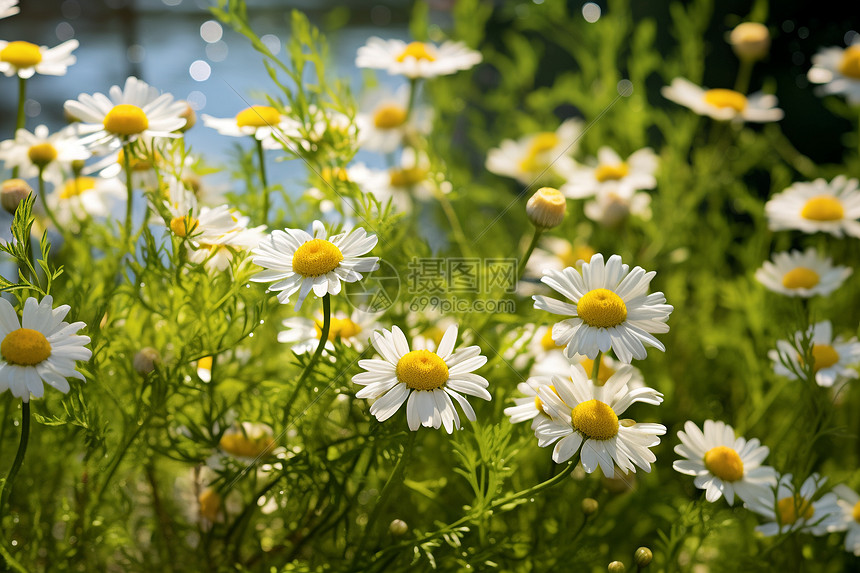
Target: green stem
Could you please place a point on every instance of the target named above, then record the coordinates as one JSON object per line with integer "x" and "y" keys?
{"x": 263, "y": 181}
{"x": 21, "y": 119}
{"x": 413, "y": 87}
{"x": 317, "y": 353}
{"x": 43, "y": 198}
{"x": 19, "y": 457}
{"x": 459, "y": 236}
{"x": 742, "y": 82}
{"x": 126, "y": 159}
{"x": 595, "y": 370}
{"x": 528, "y": 253}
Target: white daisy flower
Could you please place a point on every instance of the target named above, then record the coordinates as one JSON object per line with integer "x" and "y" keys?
{"x": 586, "y": 415}
{"x": 383, "y": 124}
{"x": 792, "y": 510}
{"x": 818, "y": 206}
{"x": 833, "y": 358}
{"x": 264, "y": 123}
{"x": 41, "y": 348}
{"x": 352, "y": 329}
{"x": 610, "y": 173}
{"x": 839, "y": 70}
{"x": 611, "y": 207}
{"x": 723, "y": 104}
{"x": 530, "y": 407}
{"x": 424, "y": 379}
{"x": 218, "y": 253}
{"x": 135, "y": 111}
{"x": 297, "y": 261}
{"x": 611, "y": 309}
{"x": 200, "y": 225}
{"x": 538, "y": 155}
{"x": 416, "y": 59}
{"x": 847, "y": 518}
{"x": 26, "y": 59}
{"x": 53, "y": 153}
{"x": 724, "y": 465}
{"x": 145, "y": 154}
{"x": 8, "y": 8}
{"x": 804, "y": 274}
{"x": 82, "y": 197}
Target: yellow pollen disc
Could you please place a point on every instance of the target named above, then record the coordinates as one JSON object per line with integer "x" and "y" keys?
{"x": 183, "y": 226}
{"x": 333, "y": 174}
{"x": 546, "y": 341}
{"x": 210, "y": 503}
{"x": 75, "y": 187}
{"x": 605, "y": 372}
{"x": 42, "y": 154}
{"x": 135, "y": 163}
{"x": 605, "y": 173}
{"x": 422, "y": 370}
{"x": 339, "y": 328}
{"x": 539, "y": 402}
{"x": 725, "y": 463}
{"x": 316, "y": 257}
{"x": 540, "y": 144}
{"x": 407, "y": 177}
{"x": 571, "y": 255}
{"x": 21, "y": 54}
{"x": 595, "y": 420}
{"x": 726, "y": 99}
{"x": 823, "y": 356}
{"x": 800, "y": 277}
{"x": 791, "y": 509}
{"x": 823, "y": 208}
{"x": 25, "y": 347}
{"x": 126, "y": 119}
{"x": 850, "y": 64}
{"x": 601, "y": 308}
{"x": 240, "y": 445}
{"x": 258, "y": 116}
{"x": 417, "y": 50}
{"x": 856, "y": 512}
{"x": 389, "y": 116}
{"x": 205, "y": 363}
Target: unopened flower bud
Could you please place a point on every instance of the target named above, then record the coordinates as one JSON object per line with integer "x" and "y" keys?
{"x": 750, "y": 41}
{"x": 643, "y": 557}
{"x": 398, "y": 527}
{"x": 589, "y": 505}
{"x": 42, "y": 154}
{"x": 616, "y": 567}
{"x": 189, "y": 116}
{"x": 546, "y": 208}
{"x": 146, "y": 360}
{"x": 12, "y": 193}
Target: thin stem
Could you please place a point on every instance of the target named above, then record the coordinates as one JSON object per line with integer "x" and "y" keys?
{"x": 19, "y": 457}
{"x": 126, "y": 159}
{"x": 742, "y": 82}
{"x": 528, "y": 253}
{"x": 459, "y": 236}
{"x": 413, "y": 87}
{"x": 595, "y": 370}
{"x": 20, "y": 119}
{"x": 44, "y": 200}
{"x": 263, "y": 181}
{"x": 317, "y": 353}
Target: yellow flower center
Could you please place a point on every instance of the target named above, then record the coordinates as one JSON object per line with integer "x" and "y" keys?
{"x": 25, "y": 347}
{"x": 726, "y": 99}
{"x": 540, "y": 144}
{"x": 725, "y": 463}
{"x": 339, "y": 328}
{"x": 605, "y": 173}
{"x": 800, "y": 277}
{"x": 790, "y": 509}
{"x": 422, "y": 370}
{"x": 595, "y": 420}
{"x": 850, "y": 64}
{"x": 601, "y": 308}
{"x": 417, "y": 50}
{"x": 316, "y": 257}
{"x": 126, "y": 119}
{"x": 856, "y": 512}
{"x": 76, "y": 186}
{"x": 183, "y": 226}
{"x": 258, "y": 116}
{"x": 42, "y": 154}
{"x": 823, "y": 208}
{"x": 210, "y": 503}
{"x": 389, "y": 116}
{"x": 603, "y": 374}
{"x": 21, "y": 54}
{"x": 334, "y": 174}
{"x": 571, "y": 255}
{"x": 546, "y": 341}
{"x": 243, "y": 446}
{"x": 539, "y": 402}
{"x": 434, "y": 333}
{"x": 135, "y": 163}
{"x": 823, "y": 356}
{"x": 407, "y": 177}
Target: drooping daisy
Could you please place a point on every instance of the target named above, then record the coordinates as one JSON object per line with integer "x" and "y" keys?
{"x": 218, "y": 254}
{"x": 262, "y": 122}
{"x": 352, "y": 329}
{"x": 804, "y": 274}
{"x": 82, "y": 197}
{"x": 583, "y": 414}
{"x": 383, "y": 124}
{"x": 818, "y": 206}
{"x": 41, "y": 348}
{"x": 426, "y": 381}
{"x": 792, "y": 510}
{"x": 847, "y": 518}
{"x": 611, "y": 207}
{"x": 538, "y": 156}
{"x": 724, "y": 465}
{"x": 839, "y": 70}
{"x": 199, "y": 225}
{"x": 26, "y": 59}
{"x": 297, "y": 261}
{"x": 723, "y": 104}
{"x": 416, "y": 59}
{"x": 53, "y": 153}
{"x": 832, "y": 357}
{"x": 611, "y": 309}
{"x": 135, "y": 111}
{"x": 610, "y": 173}
{"x": 8, "y": 8}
